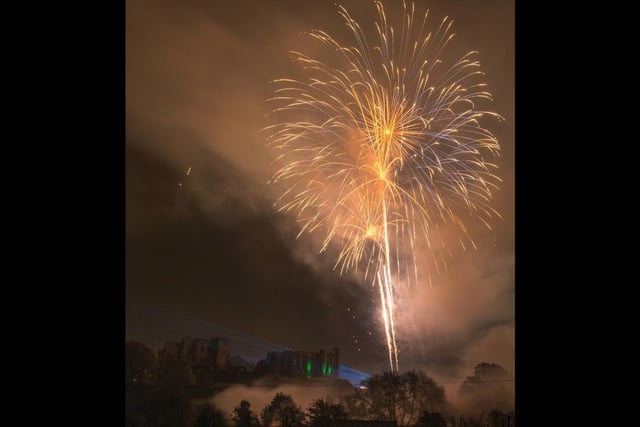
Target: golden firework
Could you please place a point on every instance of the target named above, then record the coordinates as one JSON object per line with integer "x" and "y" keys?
{"x": 381, "y": 149}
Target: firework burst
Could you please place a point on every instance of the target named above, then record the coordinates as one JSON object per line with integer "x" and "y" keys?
{"x": 383, "y": 147}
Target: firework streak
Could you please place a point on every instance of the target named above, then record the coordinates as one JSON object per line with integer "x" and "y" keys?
{"x": 382, "y": 146}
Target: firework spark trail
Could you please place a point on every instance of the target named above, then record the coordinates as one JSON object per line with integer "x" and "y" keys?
{"x": 384, "y": 146}
{"x": 385, "y": 316}
{"x": 389, "y": 323}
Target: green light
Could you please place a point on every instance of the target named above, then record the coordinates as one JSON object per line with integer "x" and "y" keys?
{"x": 308, "y": 367}
{"x": 324, "y": 369}
{"x": 329, "y": 369}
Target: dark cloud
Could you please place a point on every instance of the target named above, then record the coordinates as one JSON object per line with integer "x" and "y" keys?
{"x": 209, "y": 243}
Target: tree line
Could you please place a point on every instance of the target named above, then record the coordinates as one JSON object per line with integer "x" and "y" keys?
{"x": 409, "y": 399}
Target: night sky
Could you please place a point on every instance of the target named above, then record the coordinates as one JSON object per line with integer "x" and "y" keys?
{"x": 202, "y": 236}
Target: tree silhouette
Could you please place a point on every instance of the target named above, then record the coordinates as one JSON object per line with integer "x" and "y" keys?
{"x": 382, "y": 393}
{"x": 488, "y": 387}
{"x": 322, "y": 412}
{"x": 420, "y": 393}
{"x": 283, "y": 409}
{"x": 243, "y": 415}
{"x": 400, "y": 398}
{"x": 483, "y": 373}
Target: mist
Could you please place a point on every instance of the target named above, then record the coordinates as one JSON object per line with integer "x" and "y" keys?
{"x": 261, "y": 395}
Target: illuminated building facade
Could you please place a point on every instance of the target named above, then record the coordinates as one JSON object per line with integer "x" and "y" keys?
{"x": 303, "y": 363}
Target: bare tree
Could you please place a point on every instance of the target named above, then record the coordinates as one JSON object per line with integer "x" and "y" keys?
{"x": 420, "y": 393}
{"x": 400, "y": 398}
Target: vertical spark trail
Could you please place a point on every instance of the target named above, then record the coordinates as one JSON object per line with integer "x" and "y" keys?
{"x": 385, "y": 317}
{"x": 389, "y": 291}
{"x": 382, "y": 150}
